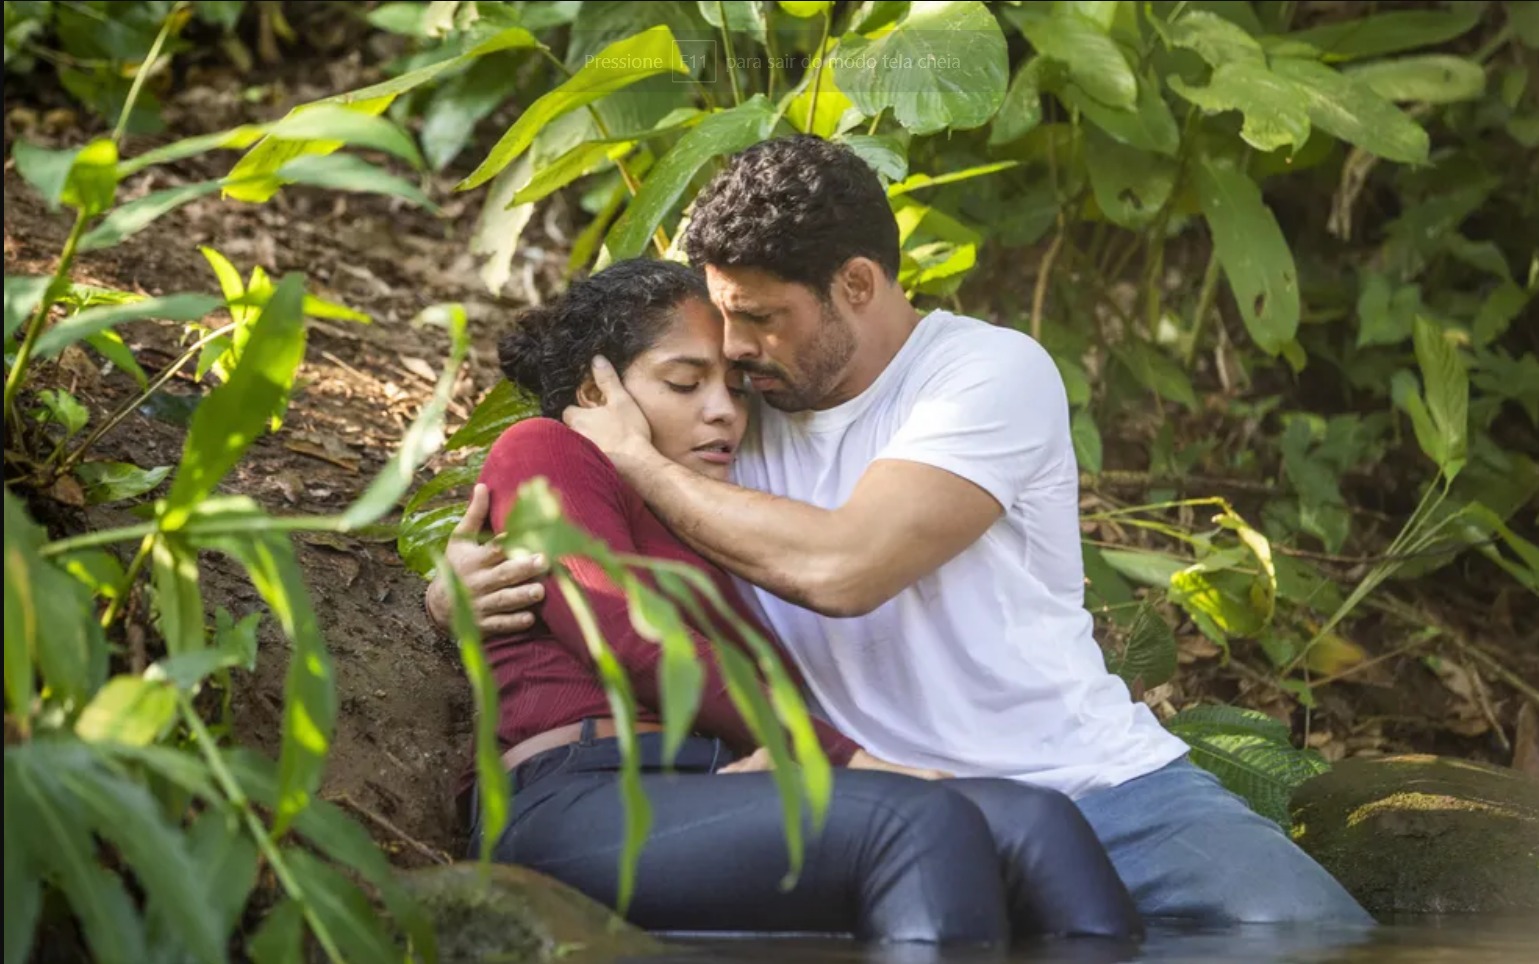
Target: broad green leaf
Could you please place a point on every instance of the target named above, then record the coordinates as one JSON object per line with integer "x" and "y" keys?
{"x": 1322, "y": 510}
{"x": 423, "y": 535}
{"x": 504, "y": 405}
{"x": 1094, "y": 60}
{"x": 178, "y": 599}
{"x": 1145, "y": 568}
{"x": 720, "y": 133}
{"x": 1250, "y": 753}
{"x": 1429, "y": 79}
{"x": 346, "y": 172}
{"x": 1087, "y": 442}
{"x": 93, "y": 178}
{"x": 129, "y": 709}
{"x": 1386, "y": 33}
{"x": 116, "y": 481}
{"x": 402, "y": 18}
{"x": 96, "y": 569}
{"x": 1351, "y": 110}
{"x": 884, "y": 154}
{"x": 46, "y": 170}
{"x": 491, "y": 781}
{"x": 1448, "y": 393}
{"x": 1385, "y": 312}
{"x": 830, "y": 101}
{"x": 59, "y": 841}
{"x": 944, "y": 66}
{"x": 449, "y": 123}
{"x": 425, "y": 434}
{"x": 1276, "y": 112}
{"x": 180, "y": 307}
{"x": 614, "y": 68}
{"x": 1155, "y": 371}
{"x": 1216, "y": 40}
{"x": 1104, "y": 586}
{"x": 133, "y": 217}
{"x": 1148, "y": 126}
{"x": 50, "y": 621}
{"x": 111, "y": 347}
{"x": 22, "y": 295}
{"x": 1252, "y": 250}
{"x": 332, "y": 122}
{"x": 234, "y": 414}
{"x": 1130, "y": 185}
{"x": 805, "y": 8}
{"x": 1150, "y": 653}
{"x": 936, "y": 268}
{"x": 341, "y": 908}
{"x": 65, "y": 410}
{"x": 451, "y": 477}
{"x": 254, "y": 173}
{"x": 1021, "y": 109}
{"x": 742, "y": 16}
{"x": 1221, "y": 603}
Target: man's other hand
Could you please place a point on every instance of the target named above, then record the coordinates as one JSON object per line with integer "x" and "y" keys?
{"x": 502, "y": 588}
{"x": 617, "y": 425}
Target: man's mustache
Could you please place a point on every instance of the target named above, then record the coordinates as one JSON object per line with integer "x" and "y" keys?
{"x": 757, "y": 368}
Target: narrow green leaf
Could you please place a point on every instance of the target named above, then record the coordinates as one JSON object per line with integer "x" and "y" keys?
{"x": 133, "y": 217}
{"x": 915, "y": 182}
{"x": 680, "y": 676}
{"x": 180, "y": 307}
{"x": 492, "y": 789}
{"x": 1428, "y": 79}
{"x": 944, "y": 66}
{"x": 1351, "y": 110}
{"x": 1252, "y": 250}
{"x": 346, "y": 172}
{"x": 720, "y": 133}
{"x": 111, "y": 347}
{"x": 449, "y": 122}
{"x": 1157, "y": 372}
{"x": 23, "y": 886}
{"x": 616, "y": 67}
{"x": 578, "y": 162}
{"x": 424, "y": 535}
{"x": 425, "y": 434}
{"x": 116, "y": 481}
{"x": 341, "y": 908}
{"x": 129, "y": 709}
{"x": 234, "y": 414}
{"x": 1087, "y": 442}
{"x": 236, "y": 138}
{"x": 280, "y": 938}
{"x": 178, "y": 599}
{"x": 22, "y": 295}
{"x": 1356, "y": 38}
{"x": 332, "y": 122}
{"x": 1448, "y": 393}
{"x": 1094, "y": 60}
{"x": 447, "y": 479}
{"x": 96, "y": 569}
{"x": 226, "y": 861}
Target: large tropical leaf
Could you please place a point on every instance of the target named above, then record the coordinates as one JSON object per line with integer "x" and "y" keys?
{"x": 1250, "y": 753}
{"x": 1349, "y": 108}
{"x": 1093, "y": 59}
{"x": 1276, "y": 113}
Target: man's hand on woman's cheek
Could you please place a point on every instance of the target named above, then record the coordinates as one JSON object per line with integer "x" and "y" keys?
{"x": 617, "y": 426}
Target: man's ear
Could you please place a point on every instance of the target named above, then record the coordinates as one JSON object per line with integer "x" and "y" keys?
{"x": 589, "y": 395}
{"x": 859, "y": 281}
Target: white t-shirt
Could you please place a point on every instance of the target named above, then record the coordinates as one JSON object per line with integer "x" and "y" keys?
{"x": 987, "y": 666}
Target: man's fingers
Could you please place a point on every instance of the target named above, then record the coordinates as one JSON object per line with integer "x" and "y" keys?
{"x": 512, "y": 571}
{"x": 474, "y": 519}
{"x": 494, "y": 626}
{"x": 509, "y": 601}
{"x": 605, "y": 378}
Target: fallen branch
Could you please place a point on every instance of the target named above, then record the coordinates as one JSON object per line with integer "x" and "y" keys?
{"x": 431, "y": 853}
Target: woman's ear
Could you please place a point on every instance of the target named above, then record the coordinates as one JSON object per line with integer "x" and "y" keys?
{"x": 589, "y": 395}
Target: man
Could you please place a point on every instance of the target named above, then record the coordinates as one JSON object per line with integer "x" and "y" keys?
{"x": 906, "y": 517}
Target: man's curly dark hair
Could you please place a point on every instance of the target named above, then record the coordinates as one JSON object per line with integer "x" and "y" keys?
{"x": 618, "y": 313}
{"x": 798, "y": 207}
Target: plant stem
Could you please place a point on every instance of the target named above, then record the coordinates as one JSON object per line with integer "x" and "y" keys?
{"x": 1204, "y": 306}
{"x": 129, "y": 578}
{"x": 144, "y": 71}
{"x": 240, "y": 802}
{"x": 817, "y": 69}
{"x": 1044, "y": 273}
{"x": 14, "y": 380}
{"x": 726, "y": 39}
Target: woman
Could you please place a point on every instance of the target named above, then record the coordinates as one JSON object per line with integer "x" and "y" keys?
{"x": 900, "y": 857}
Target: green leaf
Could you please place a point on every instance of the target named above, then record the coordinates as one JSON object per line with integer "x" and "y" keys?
{"x": 116, "y": 481}
{"x": 129, "y": 709}
{"x": 280, "y": 938}
{"x": 461, "y": 103}
{"x": 49, "y": 620}
{"x": 1105, "y": 586}
{"x": 178, "y": 599}
{"x": 1131, "y": 186}
{"x": 93, "y": 178}
{"x": 919, "y": 181}
{"x": 1250, "y": 754}
{"x": 23, "y": 888}
{"x": 1145, "y": 568}
{"x": 231, "y": 417}
{"x": 826, "y": 116}
{"x": 448, "y": 478}
{"x": 1252, "y": 250}
{"x": 425, "y": 434}
{"x": 1385, "y": 313}
{"x": 1215, "y": 39}
{"x": 944, "y": 66}
{"x": 719, "y": 133}
{"x": 22, "y": 295}
{"x": 1094, "y": 60}
{"x": 235, "y": 645}
{"x": 423, "y": 535}
{"x": 1448, "y": 394}
{"x": 135, "y": 216}
{"x": 1150, "y": 653}
{"x": 1524, "y": 18}
{"x": 226, "y": 861}
{"x": 1276, "y": 112}
{"x": 680, "y": 675}
{"x": 805, "y": 8}
{"x": 884, "y": 154}
{"x": 96, "y": 569}
{"x": 578, "y": 162}
{"x": 502, "y": 406}
{"x": 1386, "y": 33}
{"x": 1087, "y": 442}
{"x": 742, "y": 16}
{"x": 1322, "y": 510}
{"x": 46, "y": 170}
{"x": 332, "y": 122}
{"x": 502, "y": 223}
{"x": 1429, "y": 79}
{"x": 1351, "y": 110}
{"x": 1406, "y": 394}
{"x": 402, "y": 18}
{"x": 111, "y": 347}
{"x": 65, "y": 410}
{"x": 180, "y": 307}
{"x": 1155, "y": 371}
{"x": 341, "y": 908}
{"x": 1021, "y": 109}
{"x": 616, "y": 67}
{"x": 1149, "y": 126}
{"x": 345, "y": 172}
{"x": 491, "y": 780}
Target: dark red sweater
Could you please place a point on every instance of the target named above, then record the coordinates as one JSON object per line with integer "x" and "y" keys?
{"x": 545, "y": 675}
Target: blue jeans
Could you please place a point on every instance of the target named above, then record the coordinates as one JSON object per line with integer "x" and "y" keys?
{"x": 1188, "y": 848}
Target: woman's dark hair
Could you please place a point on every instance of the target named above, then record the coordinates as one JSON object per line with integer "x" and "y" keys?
{"x": 618, "y": 313}
{"x": 798, "y": 207}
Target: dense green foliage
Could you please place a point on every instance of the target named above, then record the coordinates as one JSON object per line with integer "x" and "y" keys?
{"x": 1176, "y": 159}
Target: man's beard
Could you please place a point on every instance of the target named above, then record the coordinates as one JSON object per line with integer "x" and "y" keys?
{"x": 820, "y": 364}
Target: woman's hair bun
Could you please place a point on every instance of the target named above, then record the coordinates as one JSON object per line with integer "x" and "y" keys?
{"x": 521, "y": 352}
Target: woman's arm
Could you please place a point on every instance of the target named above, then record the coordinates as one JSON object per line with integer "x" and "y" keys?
{"x": 592, "y": 498}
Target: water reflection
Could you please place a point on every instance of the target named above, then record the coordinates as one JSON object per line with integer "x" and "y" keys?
{"x": 1408, "y": 940}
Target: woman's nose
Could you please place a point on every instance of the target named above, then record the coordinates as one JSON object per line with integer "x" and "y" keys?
{"x": 719, "y": 406}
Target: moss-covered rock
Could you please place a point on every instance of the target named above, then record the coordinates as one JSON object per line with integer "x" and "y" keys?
{"x": 517, "y": 916}
{"x": 1424, "y": 834}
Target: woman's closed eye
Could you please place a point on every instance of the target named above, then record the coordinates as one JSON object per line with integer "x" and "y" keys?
{"x": 682, "y": 389}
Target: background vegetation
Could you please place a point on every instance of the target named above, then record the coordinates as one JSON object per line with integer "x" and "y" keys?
{"x": 1283, "y": 253}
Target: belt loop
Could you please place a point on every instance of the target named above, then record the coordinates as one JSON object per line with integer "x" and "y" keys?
{"x": 586, "y": 737}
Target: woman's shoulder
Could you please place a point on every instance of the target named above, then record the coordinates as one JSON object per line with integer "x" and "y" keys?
{"x": 546, "y": 446}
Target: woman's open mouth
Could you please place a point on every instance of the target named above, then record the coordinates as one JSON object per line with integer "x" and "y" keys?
{"x": 718, "y": 452}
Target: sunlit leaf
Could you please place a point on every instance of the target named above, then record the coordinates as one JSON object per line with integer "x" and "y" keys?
{"x": 805, "y": 8}
{"x": 345, "y": 172}
{"x": 1351, "y": 110}
{"x": 181, "y": 307}
{"x": 1276, "y": 112}
{"x": 64, "y": 410}
{"x": 116, "y": 481}
{"x": 332, "y": 122}
{"x": 1447, "y": 392}
{"x": 1216, "y": 40}
{"x": 93, "y": 178}
{"x": 1094, "y": 60}
{"x": 131, "y": 218}
{"x": 129, "y": 709}
{"x": 915, "y": 182}
{"x": 1252, "y": 250}
{"x": 829, "y": 101}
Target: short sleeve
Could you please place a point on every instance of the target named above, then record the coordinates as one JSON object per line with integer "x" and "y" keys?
{"x": 994, "y": 412}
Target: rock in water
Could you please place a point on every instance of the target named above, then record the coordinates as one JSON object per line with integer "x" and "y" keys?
{"x": 1424, "y": 834}
{"x": 517, "y": 916}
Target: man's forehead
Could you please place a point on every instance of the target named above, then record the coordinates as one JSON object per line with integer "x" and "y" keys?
{"x": 744, "y": 290}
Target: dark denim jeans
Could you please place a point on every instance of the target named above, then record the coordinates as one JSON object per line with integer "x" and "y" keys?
{"x": 897, "y": 859}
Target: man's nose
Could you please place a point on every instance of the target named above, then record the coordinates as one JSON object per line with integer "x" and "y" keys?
{"x": 738, "y": 343}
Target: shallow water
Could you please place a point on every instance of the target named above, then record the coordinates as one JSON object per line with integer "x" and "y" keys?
{"x": 1408, "y": 940}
